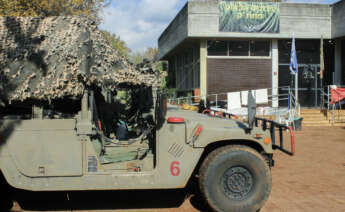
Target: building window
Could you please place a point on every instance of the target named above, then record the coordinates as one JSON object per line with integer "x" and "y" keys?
{"x": 260, "y": 48}
{"x": 240, "y": 48}
{"x": 217, "y": 48}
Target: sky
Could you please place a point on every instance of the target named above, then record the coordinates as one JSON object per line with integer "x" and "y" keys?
{"x": 140, "y": 22}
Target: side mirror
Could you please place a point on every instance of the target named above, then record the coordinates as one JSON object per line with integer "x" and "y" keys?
{"x": 251, "y": 109}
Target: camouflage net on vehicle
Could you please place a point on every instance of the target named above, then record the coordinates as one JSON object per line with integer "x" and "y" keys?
{"x": 56, "y": 57}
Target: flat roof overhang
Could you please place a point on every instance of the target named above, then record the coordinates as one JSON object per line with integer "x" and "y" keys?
{"x": 199, "y": 21}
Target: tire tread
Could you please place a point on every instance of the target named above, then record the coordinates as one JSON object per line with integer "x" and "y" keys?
{"x": 224, "y": 150}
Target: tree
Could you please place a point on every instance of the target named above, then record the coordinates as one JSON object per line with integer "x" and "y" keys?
{"x": 44, "y": 8}
{"x": 117, "y": 43}
{"x": 136, "y": 58}
{"x": 149, "y": 54}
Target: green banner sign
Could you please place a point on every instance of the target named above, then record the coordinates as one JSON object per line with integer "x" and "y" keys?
{"x": 249, "y": 17}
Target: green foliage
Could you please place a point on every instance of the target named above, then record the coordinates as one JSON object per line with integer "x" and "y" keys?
{"x": 44, "y": 8}
{"x": 117, "y": 43}
{"x": 124, "y": 97}
{"x": 149, "y": 54}
{"x": 136, "y": 58}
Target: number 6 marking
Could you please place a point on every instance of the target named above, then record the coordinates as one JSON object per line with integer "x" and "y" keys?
{"x": 174, "y": 169}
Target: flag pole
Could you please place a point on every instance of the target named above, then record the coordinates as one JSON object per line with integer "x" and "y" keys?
{"x": 296, "y": 94}
{"x": 322, "y": 70}
{"x": 294, "y": 70}
{"x": 296, "y": 77}
{"x": 296, "y": 88}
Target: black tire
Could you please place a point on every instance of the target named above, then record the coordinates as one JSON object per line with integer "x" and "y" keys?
{"x": 6, "y": 202}
{"x": 235, "y": 178}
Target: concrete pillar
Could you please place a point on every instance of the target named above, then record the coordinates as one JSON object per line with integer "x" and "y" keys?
{"x": 275, "y": 72}
{"x": 337, "y": 62}
{"x": 203, "y": 67}
{"x": 85, "y": 106}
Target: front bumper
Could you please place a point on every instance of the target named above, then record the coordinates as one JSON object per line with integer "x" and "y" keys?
{"x": 272, "y": 126}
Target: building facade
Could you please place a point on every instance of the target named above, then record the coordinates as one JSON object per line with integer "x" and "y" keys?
{"x": 203, "y": 56}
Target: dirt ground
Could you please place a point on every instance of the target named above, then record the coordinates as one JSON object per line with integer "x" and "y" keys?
{"x": 313, "y": 180}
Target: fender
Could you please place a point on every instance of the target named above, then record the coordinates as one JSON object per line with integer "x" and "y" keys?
{"x": 231, "y": 134}
{"x": 219, "y": 129}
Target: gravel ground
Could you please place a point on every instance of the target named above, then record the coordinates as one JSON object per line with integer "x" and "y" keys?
{"x": 313, "y": 180}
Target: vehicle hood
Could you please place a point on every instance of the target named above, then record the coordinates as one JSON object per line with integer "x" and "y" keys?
{"x": 207, "y": 121}
{"x": 217, "y": 129}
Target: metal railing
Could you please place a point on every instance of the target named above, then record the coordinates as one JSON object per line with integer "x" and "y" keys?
{"x": 325, "y": 100}
{"x": 220, "y": 99}
{"x": 334, "y": 109}
{"x": 331, "y": 110}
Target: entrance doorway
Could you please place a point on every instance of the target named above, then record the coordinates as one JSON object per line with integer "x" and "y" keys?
{"x": 309, "y": 82}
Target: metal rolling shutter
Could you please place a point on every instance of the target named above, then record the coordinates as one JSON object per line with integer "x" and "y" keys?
{"x": 227, "y": 75}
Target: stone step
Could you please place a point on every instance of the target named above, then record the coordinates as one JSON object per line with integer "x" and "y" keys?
{"x": 316, "y": 125}
{"x": 339, "y": 121}
{"x": 338, "y": 125}
{"x": 316, "y": 122}
{"x": 323, "y": 124}
{"x": 337, "y": 118}
{"x": 314, "y": 117}
{"x": 341, "y": 112}
{"x": 311, "y": 114}
{"x": 308, "y": 111}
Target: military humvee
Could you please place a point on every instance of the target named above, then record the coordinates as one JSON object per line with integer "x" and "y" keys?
{"x": 163, "y": 148}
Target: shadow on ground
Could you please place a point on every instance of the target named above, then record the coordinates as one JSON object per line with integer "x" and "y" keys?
{"x": 99, "y": 200}
{"x": 108, "y": 200}
{"x": 198, "y": 202}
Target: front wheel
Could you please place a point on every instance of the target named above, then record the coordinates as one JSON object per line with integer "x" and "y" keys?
{"x": 235, "y": 178}
{"x": 6, "y": 202}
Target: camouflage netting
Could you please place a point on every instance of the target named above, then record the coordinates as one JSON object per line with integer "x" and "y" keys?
{"x": 56, "y": 57}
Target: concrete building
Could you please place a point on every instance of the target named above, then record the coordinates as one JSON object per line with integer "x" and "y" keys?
{"x": 202, "y": 57}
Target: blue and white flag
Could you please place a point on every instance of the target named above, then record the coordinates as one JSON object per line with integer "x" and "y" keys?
{"x": 293, "y": 58}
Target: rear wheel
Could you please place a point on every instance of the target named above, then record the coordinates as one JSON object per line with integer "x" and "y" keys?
{"x": 235, "y": 178}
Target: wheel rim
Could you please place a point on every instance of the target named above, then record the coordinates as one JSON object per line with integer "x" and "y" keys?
{"x": 237, "y": 182}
